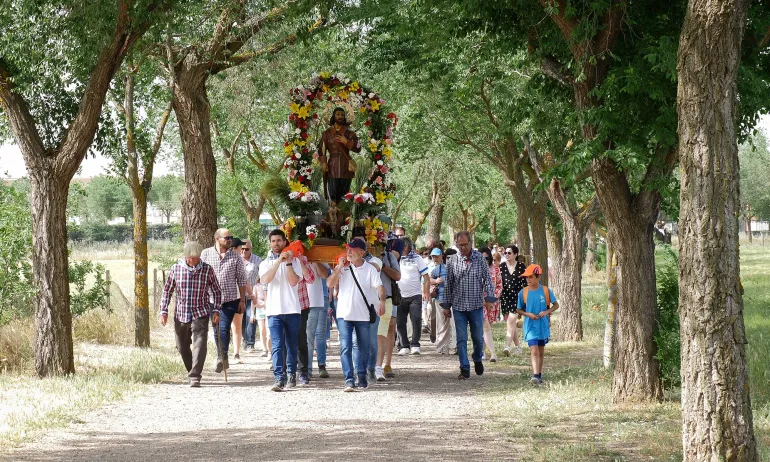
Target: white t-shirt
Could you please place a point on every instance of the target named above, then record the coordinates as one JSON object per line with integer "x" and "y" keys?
{"x": 282, "y": 297}
{"x": 412, "y": 269}
{"x": 315, "y": 291}
{"x": 350, "y": 303}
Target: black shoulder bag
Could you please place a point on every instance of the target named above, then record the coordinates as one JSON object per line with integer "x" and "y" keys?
{"x": 372, "y": 313}
{"x": 395, "y": 291}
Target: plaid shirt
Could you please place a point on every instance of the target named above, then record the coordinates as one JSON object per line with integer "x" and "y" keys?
{"x": 304, "y": 298}
{"x": 468, "y": 279}
{"x": 192, "y": 285}
{"x": 230, "y": 271}
{"x": 252, "y": 270}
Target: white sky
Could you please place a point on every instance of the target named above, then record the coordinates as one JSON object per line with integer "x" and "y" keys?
{"x": 12, "y": 163}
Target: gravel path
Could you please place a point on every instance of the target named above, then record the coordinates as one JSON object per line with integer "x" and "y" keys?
{"x": 424, "y": 413}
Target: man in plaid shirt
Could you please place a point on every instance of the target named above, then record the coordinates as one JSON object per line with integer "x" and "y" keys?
{"x": 468, "y": 279}
{"x": 192, "y": 280}
{"x": 231, "y": 274}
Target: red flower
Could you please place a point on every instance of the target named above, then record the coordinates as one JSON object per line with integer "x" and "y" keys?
{"x": 391, "y": 115}
{"x": 311, "y": 97}
{"x": 359, "y": 91}
{"x": 315, "y": 116}
{"x": 377, "y": 157}
{"x": 348, "y": 196}
{"x": 286, "y": 143}
{"x": 311, "y": 236}
{"x": 304, "y": 135}
{"x": 359, "y": 199}
{"x": 304, "y": 151}
{"x": 368, "y": 122}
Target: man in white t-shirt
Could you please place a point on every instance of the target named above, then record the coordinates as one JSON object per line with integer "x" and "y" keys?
{"x": 281, "y": 272}
{"x": 352, "y": 309}
{"x": 415, "y": 289}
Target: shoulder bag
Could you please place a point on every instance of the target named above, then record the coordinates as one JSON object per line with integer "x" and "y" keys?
{"x": 372, "y": 313}
{"x": 395, "y": 291}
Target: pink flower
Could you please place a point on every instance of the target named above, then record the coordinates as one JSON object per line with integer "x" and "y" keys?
{"x": 293, "y": 173}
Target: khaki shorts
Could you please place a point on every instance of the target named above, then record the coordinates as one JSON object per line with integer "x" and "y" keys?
{"x": 382, "y": 329}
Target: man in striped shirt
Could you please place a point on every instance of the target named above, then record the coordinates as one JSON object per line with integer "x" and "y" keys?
{"x": 193, "y": 282}
{"x": 231, "y": 275}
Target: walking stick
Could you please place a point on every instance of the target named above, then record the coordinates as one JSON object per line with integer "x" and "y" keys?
{"x": 222, "y": 353}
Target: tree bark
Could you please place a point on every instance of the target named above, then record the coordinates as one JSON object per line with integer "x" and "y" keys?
{"x": 717, "y": 422}
{"x": 193, "y": 113}
{"x": 435, "y": 222}
{"x": 590, "y": 259}
{"x": 141, "y": 291}
{"x": 540, "y": 239}
{"x": 612, "y": 303}
{"x": 522, "y": 229}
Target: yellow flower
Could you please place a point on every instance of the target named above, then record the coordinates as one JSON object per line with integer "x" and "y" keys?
{"x": 354, "y": 86}
{"x": 362, "y": 110}
{"x": 386, "y": 151}
{"x": 296, "y": 186}
{"x": 304, "y": 111}
{"x": 325, "y": 75}
{"x": 343, "y": 94}
{"x": 373, "y": 147}
{"x": 375, "y": 105}
{"x": 300, "y": 143}
{"x": 380, "y": 197}
{"x": 294, "y": 108}
{"x": 325, "y": 88}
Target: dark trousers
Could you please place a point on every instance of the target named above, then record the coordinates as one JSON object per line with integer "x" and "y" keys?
{"x": 338, "y": 187}
{"x": 192, "y": 333}
{"x": 409, "y": 307}
{"x": 302, "y": 350}
{"x": 226, "y": 315}
{"x": 249, "y": 328}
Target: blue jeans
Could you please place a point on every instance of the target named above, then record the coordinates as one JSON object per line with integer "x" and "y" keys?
{"x": 226, "y": 315}
{"x": 346, "y": 329}
{"x": 249, "y": 328}
{"x": 372, "y": 359}
{"x": 316, "y": 336}
{"x": 476, "y": 320}
{"x": 284, "y": 330}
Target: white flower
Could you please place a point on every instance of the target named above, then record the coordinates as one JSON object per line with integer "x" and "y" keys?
{"x": 297, "y": 155}
{"x": 297, "y": 131}
{"x": 303, "y": 198}
{"x": 371, "y": 95}
{"x": 379, "y": 162}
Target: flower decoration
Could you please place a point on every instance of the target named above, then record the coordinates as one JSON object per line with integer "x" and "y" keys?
{"x": 311, "y": 232}
{"x": 376, "y": 230}
{"x": 288, "y": 227}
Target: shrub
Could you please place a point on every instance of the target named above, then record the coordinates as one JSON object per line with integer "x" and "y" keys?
{"x": 84, "y": 299}
{"x": 667, "y": 334}
{"x": 16, "y": 289}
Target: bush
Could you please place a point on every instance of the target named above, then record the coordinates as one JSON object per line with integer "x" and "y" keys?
{"x": 667, "y": 335}
{"x": 84, "y": 299}
{"x": 95, "y": 232}
{"x": 16, "y": 289}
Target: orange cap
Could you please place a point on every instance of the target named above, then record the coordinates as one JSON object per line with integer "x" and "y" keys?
{"x": 532, "y": 269}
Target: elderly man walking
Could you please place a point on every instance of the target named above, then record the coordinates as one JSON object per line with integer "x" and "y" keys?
{"x": 193, "y": 280}
{"x": 251, "y": 265}
{"x": 467, "y": 281}
{"x": 231, "y": 275}
{"x": 415, "y": 289}
{"x": 359, "y": 285}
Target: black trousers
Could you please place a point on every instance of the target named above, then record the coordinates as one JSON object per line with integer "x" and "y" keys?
{"x": 338, "y": 187}
{"x": 302, "y": 349}
{"x": 410, "y": 307}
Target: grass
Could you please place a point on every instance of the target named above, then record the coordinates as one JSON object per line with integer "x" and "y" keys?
{"x": 573, "y": 418}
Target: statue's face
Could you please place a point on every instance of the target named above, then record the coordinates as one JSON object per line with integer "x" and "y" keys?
{"x": 339, "y": 117}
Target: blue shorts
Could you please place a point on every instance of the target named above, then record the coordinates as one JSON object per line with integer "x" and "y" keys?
{"x": 537, "y": 342}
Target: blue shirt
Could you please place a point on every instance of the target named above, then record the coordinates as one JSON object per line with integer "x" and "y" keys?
{"x": 439, "y": 272}
{"x": 535, "y": 329}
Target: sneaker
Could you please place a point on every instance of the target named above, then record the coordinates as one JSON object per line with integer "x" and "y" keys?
{"x": 238, "y": 359}
{"x": 378, "y": 374}
{"x": 453, "y": 351}
{"x": 403, "y": 351}
{"x": 506, "y": 352}
{"x": 292, "y": 380}
{"x": 388, "y": 371}
{"x": 322, "y": 373}
{"x": 493, "y": 359}
{"x": 195, "y": 383}
{"x": 415, "y": 350}
{"x": 219, "y": 367}
{"x": 478, "y": 366}
{"x": 517, "y": 350}
{"x": 349, "y": 386}
{"x": 535, "y": 381}
{"x": 277, "y": 386}
{"x": 464, "y": 374}
{"x": 303, "y": 379}
{"x": 363, "y": 383}
{"x": 370, "y": 375}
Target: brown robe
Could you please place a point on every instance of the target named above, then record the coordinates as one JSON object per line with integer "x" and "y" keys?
{"x": 337, "y": 155}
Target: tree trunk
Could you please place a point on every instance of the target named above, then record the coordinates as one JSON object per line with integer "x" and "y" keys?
{"x": 568, "y": 284}
{"x": 540, "y": 241}
{"x": 590, "y": 260}
{"x": 717, "y": 422}
{"x": 53, "y": 320}
{"x": 141, "y": 291}
{"x": 522, "y": 231}
{"x": 199, "y": 203}
{"x": 435, "y": 222}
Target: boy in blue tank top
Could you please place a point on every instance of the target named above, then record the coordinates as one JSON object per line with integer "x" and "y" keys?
{"x": 536, "y": 305}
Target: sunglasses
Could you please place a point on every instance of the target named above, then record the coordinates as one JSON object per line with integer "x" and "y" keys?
{"x": 246, "y": 250}
{"x": 509, "y": 253}
{"x": 227, "y": 238}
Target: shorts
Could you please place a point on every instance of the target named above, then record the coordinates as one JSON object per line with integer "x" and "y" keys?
{"x": 537, "y": 342}
{"x": 261, "y": 316}
{"x": 382, "y": 328}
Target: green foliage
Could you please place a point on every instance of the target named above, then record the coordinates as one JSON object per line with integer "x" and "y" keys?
{"x": 755, "y": 176}
{"x": 108, "y": 198}
{"x": 166, "y": 194}
{"x": 89, "y": 287}
{"x": 667, "y": 334}
{"x": 16, "y": 289}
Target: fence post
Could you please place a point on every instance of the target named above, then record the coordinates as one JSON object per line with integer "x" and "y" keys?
{"x": 109, "y": 289}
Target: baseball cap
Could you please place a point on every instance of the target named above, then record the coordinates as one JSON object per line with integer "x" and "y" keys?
{"x": 435, "y": 251}
{"x": 532, "y": 269}
{"x": 356, "y": 244}
{"x": 237, "y": 242}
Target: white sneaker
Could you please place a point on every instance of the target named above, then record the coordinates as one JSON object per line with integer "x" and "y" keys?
{"x": 403, "y": 351}
{"x": 415, "y": 350}
{"x": 378, "y": 374}
{"x": 517, "y": 350}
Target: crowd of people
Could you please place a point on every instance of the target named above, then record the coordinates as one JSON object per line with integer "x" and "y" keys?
{"x": 379, "y": 304}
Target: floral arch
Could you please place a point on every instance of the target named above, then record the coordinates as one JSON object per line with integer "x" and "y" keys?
{"x": 325, "y": 91}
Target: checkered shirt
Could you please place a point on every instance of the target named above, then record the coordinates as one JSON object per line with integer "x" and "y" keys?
{"x": 230, "y": 271}
{"x": 191, "y": 286}
{"x": 252, "y": 269}
{"x": 304, "y": 298}
{"x": 468, "y": 279}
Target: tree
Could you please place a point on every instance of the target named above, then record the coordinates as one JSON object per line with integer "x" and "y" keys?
{"x": 755, "y": 176}
{"x": 56, "y": 66}
{"x": 107, "y": 198}
{"x": 134, "y": 157}
{"x": 166, "y": 194}
{"x": 717, "y": 420}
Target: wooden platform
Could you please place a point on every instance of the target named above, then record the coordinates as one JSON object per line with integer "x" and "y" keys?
{"x": 325, "y": 252}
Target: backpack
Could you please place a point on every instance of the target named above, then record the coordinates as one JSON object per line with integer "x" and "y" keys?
{"x": 547, "y": 300}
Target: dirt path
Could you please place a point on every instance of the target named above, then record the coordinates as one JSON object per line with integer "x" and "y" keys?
{"x": 424, "y": 413}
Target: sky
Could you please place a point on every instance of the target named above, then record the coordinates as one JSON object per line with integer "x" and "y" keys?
{"x": 12, "y": 163}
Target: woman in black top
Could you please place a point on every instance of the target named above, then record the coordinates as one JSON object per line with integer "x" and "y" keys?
{"x": 511, "y": 269}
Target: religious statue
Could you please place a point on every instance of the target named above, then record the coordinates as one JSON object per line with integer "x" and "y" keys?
{"x": 337, "y": 165}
